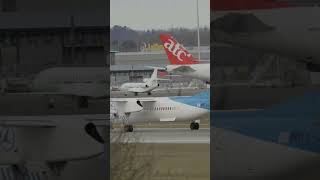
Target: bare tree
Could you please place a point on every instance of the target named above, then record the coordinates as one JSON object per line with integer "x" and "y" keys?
{"x": 130, "y": 159}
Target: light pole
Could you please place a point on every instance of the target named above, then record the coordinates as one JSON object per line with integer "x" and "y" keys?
{"x": 198, "y": 30}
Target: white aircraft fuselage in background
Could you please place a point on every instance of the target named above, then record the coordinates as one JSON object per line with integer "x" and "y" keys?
{"x": 196, "y": 71}
{"x": 138, "y": 87}
{"x": 148, "y": 85}
{"x": 77, "y": 81}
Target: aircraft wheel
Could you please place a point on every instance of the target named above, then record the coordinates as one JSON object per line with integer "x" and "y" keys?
{"x": 149, "y": 93}
{"x": 128, "y": 128}
{"x": 194, "y": 126}
{"x": 197, "y": 126}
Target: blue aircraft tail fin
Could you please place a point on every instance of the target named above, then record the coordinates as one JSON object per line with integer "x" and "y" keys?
{"x": 307, "y": 103}
{"x": 294, "y": 123}
{"x": 204, "y": 94}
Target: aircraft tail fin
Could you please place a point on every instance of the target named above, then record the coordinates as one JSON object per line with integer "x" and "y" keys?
{"x": 204, "y": 94}
{"x": 293, "y": 123}
{"x": 154, "y": 74}
{"x": 154, "y": 77}
{"x": 176, "y": 53}
{"x": 309, "y": 103}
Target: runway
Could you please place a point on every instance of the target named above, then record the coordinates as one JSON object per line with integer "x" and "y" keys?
{"x": 163, "y": 135}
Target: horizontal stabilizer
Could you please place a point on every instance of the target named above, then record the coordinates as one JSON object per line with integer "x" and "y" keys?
{"x": 125, "y": 106}
{"x": 155, "y": 67}
{"x": 184, "y": 69}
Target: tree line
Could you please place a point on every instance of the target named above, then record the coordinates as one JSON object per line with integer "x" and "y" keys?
{"x": 125, "y": 39}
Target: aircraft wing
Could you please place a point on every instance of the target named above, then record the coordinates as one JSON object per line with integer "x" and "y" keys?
{"x": 146, "y": 100}
{"x": 183, "y": 69}
{"x": 124, "y": 106}
{"x": 137, "y": 90}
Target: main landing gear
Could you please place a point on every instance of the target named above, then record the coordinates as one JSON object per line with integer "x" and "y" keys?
{"x": 128, "y": 128}
{"x": 194, "y": 126}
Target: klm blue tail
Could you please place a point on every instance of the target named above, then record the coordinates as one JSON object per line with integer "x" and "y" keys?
{"x": 200, "y": 100}
{"x": 294, "y": 123}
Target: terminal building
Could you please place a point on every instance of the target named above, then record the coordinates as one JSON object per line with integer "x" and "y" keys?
{"x": 132, "y": 67}
{"x": 35, "y": 35}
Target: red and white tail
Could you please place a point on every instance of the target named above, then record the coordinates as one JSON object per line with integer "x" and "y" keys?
{"x": 176, "y": 53}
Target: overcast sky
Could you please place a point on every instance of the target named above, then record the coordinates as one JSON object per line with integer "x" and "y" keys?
{"x": 158, "y": 14}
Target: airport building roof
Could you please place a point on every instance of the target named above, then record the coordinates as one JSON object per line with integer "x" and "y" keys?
{"x": 192, "y": 50}
{"x": 19, "y": 21}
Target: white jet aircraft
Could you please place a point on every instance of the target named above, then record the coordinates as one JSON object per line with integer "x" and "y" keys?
{"x": 148, "y": 85}
{"x": 159, "y": 109}
{"x": 182, "y": 62}
{"x": 81, "y": 82}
